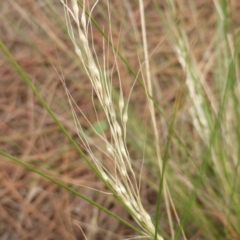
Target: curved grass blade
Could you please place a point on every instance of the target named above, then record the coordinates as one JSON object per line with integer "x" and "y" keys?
{"x": 26, "y": 79}
{"x": 69, "y": 189}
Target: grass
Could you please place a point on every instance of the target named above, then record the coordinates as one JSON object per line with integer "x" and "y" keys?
{"x": 131, "y": 111}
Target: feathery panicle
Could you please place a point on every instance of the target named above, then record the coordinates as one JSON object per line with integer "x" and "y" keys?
{"x": 123, "y": 181}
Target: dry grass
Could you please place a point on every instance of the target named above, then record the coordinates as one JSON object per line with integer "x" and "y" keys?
{"x": 33, "y": 208}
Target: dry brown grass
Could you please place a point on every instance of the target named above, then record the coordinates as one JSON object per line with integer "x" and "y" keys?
{"x": 31, "y": 207}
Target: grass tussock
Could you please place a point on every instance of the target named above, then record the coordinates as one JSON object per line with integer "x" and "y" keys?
{"x": 123, "y": 117}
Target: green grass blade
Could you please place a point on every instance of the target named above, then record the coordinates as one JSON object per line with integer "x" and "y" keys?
{"x": 69, "y": 189}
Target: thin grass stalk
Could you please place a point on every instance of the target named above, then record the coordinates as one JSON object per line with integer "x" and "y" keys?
{"x": 124, "y": 187}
